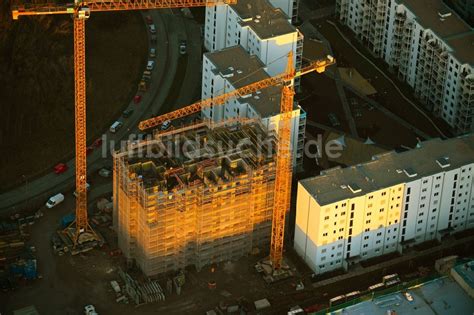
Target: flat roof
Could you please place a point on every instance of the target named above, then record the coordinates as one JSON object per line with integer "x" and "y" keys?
{"x": 466, "y": 272}
{"x": 452, "y": 29}
{"x": 354, "y": 151}
{"x": 241, "y": 69}
{"x": 392, "y": 168}
{"x": 206, "y": 154}
{"x": 440, "y": 296}
{"x": 264, "y": 19}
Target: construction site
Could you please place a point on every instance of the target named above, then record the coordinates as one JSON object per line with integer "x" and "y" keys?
{"x": 190, "y": 209}
{"x": 206, "y": 199}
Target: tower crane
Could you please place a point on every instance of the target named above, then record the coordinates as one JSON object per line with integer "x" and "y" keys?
{"x": 282, "y": 192}
{"x": 80, "y": 11}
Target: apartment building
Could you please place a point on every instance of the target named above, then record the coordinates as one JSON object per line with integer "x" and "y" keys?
{"x": 427, "y": 45}
{"x": 232, "y": 68}
{"x": 261, "y": 29}
{"x": 346, "y": 215}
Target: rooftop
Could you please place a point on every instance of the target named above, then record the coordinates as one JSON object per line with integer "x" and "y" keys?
{"x": 205, "y": 155}
{"x": 241, "y": 69}
{"x": 451, "y": 28}
{"x": 441, "y": 296}
{"x": 392, "y": 168}
{"x": 264, "y": 19}
{"x": 466, "y": 272}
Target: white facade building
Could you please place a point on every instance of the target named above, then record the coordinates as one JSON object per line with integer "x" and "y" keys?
{"x": 232, "y": 68}
{"x": 427, "y": 45}
{"x": 396, "y": 200}
{"x": 257, "y": 26}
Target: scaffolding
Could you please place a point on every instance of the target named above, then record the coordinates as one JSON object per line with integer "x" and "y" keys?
{"x": 194, "y": 196}
{"x": 431, "y": 72}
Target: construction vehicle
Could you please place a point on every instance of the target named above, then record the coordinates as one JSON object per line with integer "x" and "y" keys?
{"x": 80, "y": 11}
{"x": 284, "y": 160}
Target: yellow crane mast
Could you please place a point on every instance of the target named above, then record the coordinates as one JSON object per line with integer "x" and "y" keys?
{"x": 80, "y": 11}
{"x": 284, "y": 160}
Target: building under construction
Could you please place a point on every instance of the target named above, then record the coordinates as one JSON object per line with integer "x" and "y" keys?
{"x": 195, "y": 196}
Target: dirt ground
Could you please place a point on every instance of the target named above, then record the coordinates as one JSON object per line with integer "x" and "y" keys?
{"x": 392, "y": 100}
{"x": 37, "y": 85}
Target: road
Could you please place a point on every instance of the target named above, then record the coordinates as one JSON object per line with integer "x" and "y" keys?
{"x": 170, "y": 30}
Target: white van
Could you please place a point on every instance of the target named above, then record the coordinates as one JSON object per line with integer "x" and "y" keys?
{"x": 54, "y": 200}
{"x": 115, "y": 126}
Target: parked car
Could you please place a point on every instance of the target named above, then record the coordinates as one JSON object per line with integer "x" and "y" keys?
{"x": 115, "y": 126}
{"x": 54, "y": 200}
{"x": 97, "y": 143}
{"x": 137, "y": 99}
{"x": 60, "y": 168}
{"x": 182, "y": 47}
{"x": 149, "y": 19}
{"x": 152, "y": 52}
{"x": 150, "y": 65}
{"x": 333, "y": 120}
{"x": 104, "y": 172}
{"x": 153, "y": 38}
{"x": 408, "y": 296}
{"x": 127, "y": 113}
{"x": 89, "y": 150}
{"x": 90, "y": 310}
{"x": 152, "y": 28}
{"x": 166, "y": 125}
